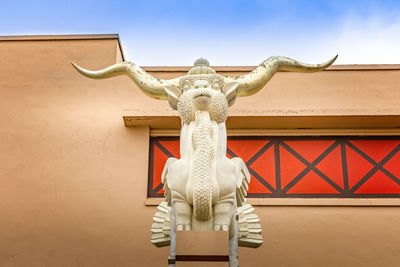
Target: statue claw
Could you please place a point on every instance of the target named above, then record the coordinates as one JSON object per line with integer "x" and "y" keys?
{"x": 221, "y": 227}
{"x": 183, "y": 227}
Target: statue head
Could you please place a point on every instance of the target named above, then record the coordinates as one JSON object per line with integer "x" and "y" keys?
{"x": 202, "y": 88}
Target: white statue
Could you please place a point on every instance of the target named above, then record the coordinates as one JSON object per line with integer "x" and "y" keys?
{"x": 204, "y": 189}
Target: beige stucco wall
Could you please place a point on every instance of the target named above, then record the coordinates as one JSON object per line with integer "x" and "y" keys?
{"x": 73, "y": 178}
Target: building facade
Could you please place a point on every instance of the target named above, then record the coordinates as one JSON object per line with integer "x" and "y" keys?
{"x": 81, "y": 160}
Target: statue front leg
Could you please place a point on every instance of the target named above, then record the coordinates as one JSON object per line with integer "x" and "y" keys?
{"x": 223, "y": 211}
{"x": 182, "y": 212}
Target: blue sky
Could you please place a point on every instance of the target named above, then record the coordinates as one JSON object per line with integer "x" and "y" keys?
{"x": 235, "y": 32}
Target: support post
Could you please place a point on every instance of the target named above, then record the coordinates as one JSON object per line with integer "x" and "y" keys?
{"x": 172, "y": 256}
{"x": 233, "y": 241}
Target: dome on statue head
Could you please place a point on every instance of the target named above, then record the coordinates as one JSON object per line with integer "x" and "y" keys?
{"x": 201, "y": 66}
{"x": 201, "y": 62}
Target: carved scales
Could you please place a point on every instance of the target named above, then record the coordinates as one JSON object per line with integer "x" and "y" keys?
{"x": 203, "y": 166}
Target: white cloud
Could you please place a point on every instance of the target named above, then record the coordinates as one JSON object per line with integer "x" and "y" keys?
{"x": 372, "y": 42}
{"x": 356, "y": 40}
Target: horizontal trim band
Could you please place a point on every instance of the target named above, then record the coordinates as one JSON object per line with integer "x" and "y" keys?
{"x": 356, "y": 202}
{"x": 202, "y": 258}
{"x": 293, "y": 132}
{"x": 275, "y": 122}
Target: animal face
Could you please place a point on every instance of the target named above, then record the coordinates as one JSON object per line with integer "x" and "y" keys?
{"x": 201, "y": 95}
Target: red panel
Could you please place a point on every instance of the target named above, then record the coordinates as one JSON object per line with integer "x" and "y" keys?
{"x": 159, "y": 161}
{"x": 379, "y": 183}
{"x": 331, "y": 166}
{"x": 310, "y": 150}
{"x": 256, "y": 187}
{"x": 393, "y": 165}
{"x": 172, "y": 147}
{"x": 290, "y": 166}
{"x": 265, "y": 166}
{"x": 245, "y": 149}
{"x": 357, "y": 166}
{"x": 312, "y": 183}
{"x": 376, "y": 149}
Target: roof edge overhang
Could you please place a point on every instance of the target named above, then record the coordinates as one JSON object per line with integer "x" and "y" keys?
{"x": 65, "y": 37}
{"x": 59, "y": 37}
{"x": 276, "y": 122}
{"x": 352, "y": 67}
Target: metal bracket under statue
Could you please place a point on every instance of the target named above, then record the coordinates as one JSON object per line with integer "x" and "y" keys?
{"x": 204, "y": 189}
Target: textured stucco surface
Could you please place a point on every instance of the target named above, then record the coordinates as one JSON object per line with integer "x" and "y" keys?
{"x": 73, "y": 179}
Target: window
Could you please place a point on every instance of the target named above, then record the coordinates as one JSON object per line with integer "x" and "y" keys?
{"x": 303, "y": 167}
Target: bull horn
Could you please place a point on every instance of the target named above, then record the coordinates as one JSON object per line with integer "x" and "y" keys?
{"x": 148, "y": 84}
{"x": 252, "y": 82}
